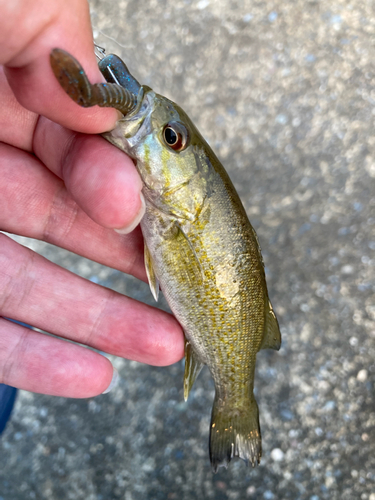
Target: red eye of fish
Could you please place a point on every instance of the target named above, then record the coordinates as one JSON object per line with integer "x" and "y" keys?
{"x": 175, "y": 136}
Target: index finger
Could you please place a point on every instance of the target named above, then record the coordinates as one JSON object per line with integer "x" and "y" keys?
{"x": 28, "y": 33}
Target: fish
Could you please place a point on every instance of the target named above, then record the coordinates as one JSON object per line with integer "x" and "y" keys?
{"x": 199, "y": 248}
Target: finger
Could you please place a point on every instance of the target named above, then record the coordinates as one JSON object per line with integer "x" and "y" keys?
{"x": 40, "y": 363}
{"x": 29, "y": 30}
{"x": 35, "y": 203}
{"x": 40, "y": 293}
{"x": 17, "y": 124}
{"x": 100, "y": 178}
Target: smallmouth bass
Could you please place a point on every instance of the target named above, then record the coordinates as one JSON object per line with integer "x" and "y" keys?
{"x": 199, "y": 246}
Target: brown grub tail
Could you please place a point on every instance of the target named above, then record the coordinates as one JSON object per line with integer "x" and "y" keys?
{"x": 74, "y": 81}
{"x": 235, "y": 432}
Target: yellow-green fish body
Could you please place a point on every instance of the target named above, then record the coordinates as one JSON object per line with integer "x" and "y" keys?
{"x": 202, "y": 249}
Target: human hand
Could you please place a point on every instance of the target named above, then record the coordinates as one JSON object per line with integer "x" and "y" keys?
{"x": 72, "y": 190}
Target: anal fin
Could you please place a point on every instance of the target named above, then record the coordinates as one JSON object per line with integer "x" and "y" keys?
{"x": 192, "y": 368}
{"x": 152, "y": 279}
{"x": 272, "y": 336}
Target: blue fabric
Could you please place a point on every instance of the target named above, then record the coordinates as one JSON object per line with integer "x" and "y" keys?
{"x": 7, "y": 398}
{"x": 7, "y": 394}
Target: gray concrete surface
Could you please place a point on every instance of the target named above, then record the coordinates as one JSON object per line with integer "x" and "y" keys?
{"x": 284, "y": 92}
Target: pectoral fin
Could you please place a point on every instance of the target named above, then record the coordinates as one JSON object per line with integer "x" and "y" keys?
{"x": 152, "y": 279}
{"x": 192, "y": 368}
{"x": 272, "y": 336}
{"x": 188, "y": 241}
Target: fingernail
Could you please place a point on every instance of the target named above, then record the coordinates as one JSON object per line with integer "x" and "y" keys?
{"x": 115, "y": 380}
{"x": 136, "y": 221}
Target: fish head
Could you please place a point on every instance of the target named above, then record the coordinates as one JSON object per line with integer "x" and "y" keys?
{"x": 162, "y": 140}
{"x": 168, "y": 150}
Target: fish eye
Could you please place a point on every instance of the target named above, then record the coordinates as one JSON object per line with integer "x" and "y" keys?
{"x": 175, "y": 136}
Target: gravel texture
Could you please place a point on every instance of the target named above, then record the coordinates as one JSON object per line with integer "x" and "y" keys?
{"x": 284, "y": 92}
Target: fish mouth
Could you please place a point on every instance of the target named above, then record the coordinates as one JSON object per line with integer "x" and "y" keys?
{"x": 135, "y": 125}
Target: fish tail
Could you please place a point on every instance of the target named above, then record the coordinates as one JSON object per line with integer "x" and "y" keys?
{"x": 235, "y": 432}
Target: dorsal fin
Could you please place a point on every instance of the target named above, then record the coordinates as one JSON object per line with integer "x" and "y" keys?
{"x": 272, "y": 336}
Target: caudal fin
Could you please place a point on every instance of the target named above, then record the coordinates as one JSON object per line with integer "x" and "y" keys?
{"x": 235, "y": 432}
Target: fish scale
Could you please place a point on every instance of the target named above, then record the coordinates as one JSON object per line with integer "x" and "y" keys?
{"x": 199, "y": 245}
